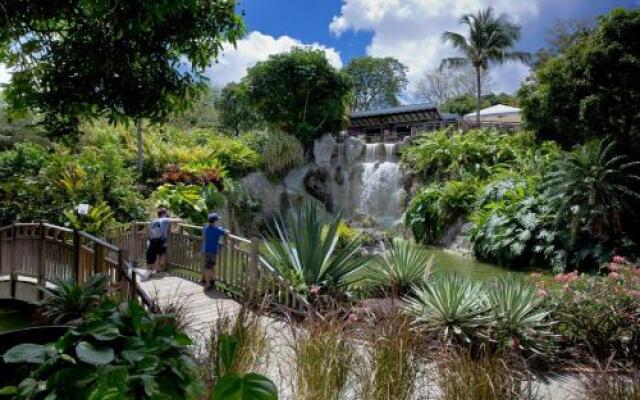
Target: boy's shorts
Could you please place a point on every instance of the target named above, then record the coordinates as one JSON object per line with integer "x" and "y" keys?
{"x": 209, "y": 260}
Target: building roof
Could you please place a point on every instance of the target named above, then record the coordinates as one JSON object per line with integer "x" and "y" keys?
{"x": 393, "y": 110}
{"x": 495, "y": 110}
{"x": 450, "y": 116}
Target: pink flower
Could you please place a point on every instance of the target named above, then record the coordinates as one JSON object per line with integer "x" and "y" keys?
{"x": 613, "y": 267}
{"x": 542, "y": 292}
{"x": 315, "y": 290}
{"x": 565, "y": 287}
{"x": 614, "y": 275}
{"x": 635, "y": 293}
{"x": 619, "y": 259}
{"x": 515, "y": 343}
{"x": 353, "y": 317}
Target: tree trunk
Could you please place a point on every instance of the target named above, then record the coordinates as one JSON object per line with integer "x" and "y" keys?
{"x": 139, "y": 133}
{"x": 478, "y": 96}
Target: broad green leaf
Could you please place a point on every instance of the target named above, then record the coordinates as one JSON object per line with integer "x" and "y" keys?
{"x": 248, "y": 387}
{"x": 27, "y": 353}
{"x": 86, "y": 352}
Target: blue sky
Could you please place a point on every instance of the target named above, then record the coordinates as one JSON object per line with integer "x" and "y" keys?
{"x": 406, "y": 29}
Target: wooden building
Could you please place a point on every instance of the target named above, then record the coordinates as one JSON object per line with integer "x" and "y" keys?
{"x": 393, "y": 123}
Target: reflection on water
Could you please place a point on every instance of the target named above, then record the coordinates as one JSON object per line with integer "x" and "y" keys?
{"x": 12, "y": 319}
{"x": 446, "y": 261}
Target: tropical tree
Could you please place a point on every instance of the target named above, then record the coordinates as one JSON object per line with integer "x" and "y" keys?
{"x": 122, "y": 60}
{"x": 300, "y": 93}
{"x": 489, "y": 40}
{"x": 595, "y": 186}
{"x": 377, "y": 82}
{"x": 236, "y": 115}
{"x": 305, "y": 251}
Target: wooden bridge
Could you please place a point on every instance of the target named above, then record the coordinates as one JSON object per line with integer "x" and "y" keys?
{"x": 35, "y": 255}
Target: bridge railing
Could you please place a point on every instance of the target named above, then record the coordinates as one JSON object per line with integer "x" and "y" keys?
{"x": 45, "y": 253}
{"x": 240, "y": 271}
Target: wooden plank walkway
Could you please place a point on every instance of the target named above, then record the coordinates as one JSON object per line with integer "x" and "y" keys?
{"x": 202, "y": 309}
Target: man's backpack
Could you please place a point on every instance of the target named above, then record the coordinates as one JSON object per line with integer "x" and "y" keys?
{"x": 155, "y": 230}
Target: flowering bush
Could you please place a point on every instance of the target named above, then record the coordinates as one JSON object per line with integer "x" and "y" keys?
{"x": 598, "y": 316}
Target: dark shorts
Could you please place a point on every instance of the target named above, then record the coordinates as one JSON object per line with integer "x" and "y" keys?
{"x": 157, "y": 247}
{"x": 210, "y": 260}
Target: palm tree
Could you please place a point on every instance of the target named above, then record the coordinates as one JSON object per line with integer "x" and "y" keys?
{"x": 490, "y": 40}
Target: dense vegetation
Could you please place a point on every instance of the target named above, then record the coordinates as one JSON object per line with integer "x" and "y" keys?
{"x": 531, "y": 204}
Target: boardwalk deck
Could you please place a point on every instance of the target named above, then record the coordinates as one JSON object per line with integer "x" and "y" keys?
{"x": 202, "y": 309}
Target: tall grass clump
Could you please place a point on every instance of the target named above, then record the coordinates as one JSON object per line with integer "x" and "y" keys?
{"x": 391, "y": 364}
{"x": 464, "y": 376}
{"x": 611, "y": 385}
{"x": 323, "y": 359}
{"x": 250, "y": 345}
{"x": 281, "y": 153}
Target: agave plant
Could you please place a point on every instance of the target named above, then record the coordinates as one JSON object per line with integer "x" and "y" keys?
{"x": 519, "y": 320}
{"x": 69, "y": 301}
{"x": 452, "y": 307}
{"x": 305, "y": 251}
{"x": 401, "y": 266}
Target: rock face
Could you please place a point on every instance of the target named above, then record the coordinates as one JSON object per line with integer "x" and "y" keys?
{"x": 269, "y": 195}
{"x": 323, "y": 149}
{"x": 456, "y": 238}
{"x": 317, "y": 182}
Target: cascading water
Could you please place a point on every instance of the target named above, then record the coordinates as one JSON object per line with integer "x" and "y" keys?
{"x": 381, "y": 184}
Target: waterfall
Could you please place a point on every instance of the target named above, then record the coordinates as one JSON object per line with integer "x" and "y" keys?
{"x": 381, "y": 185}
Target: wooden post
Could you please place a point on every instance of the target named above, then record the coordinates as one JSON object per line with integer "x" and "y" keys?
{"x": 98, "y": 253}
{"x": 12, "y": 262}
{"x": 41, "y": 261}
{"x": 133, "y": 291}
{"x": 120, "y": 272}
{"x": 76, "y": 256}
{"x": 254, "y": 259}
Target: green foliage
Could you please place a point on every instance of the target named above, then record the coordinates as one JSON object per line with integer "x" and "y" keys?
{"x": 69, "y": 301}
{"x": 451, "y": 308}
{"x": 190, "y": 202}
{"x": 519, "y": 320}
{"x": 236, "y": 113}
{"x": 118, "y": 351}
{"x": 237, "y": 158}
{"x": 401, "y": 266}
{"x": 281, "y": 153}
{"x": 377, "y": 82}
{"x": 202, "y": 111}
{"x": 306, "y": 252}
{"x": 299, "y": 93}
{"x": 123, "y": 57}
{"x": 464, "y": 104}
{"x": 98, "y": 218}
{"x": 597, "y": 315}
{"x": 577, "y": 94}
{"x": 437, "y": 206}
{"x": 592, "y": 187}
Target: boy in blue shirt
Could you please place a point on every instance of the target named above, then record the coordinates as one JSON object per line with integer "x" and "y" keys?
{"x": 211, "y": 234}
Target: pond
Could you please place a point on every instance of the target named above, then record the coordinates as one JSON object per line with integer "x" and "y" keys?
{"x": 447, "y": 261}
{"x": 12, "y": 318}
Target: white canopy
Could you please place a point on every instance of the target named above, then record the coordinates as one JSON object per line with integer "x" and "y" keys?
{"x": 497, "y": 113}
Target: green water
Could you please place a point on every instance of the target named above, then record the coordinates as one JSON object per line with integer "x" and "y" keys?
{"x": 446, "y": 261}
{"x": 12, "y": 319}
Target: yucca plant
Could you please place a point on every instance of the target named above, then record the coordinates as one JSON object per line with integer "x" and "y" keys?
{"x": 519, "y": 321}
{"x": 451, "y": 307}
{"x": 306, "y": 252}
{"x": 69, "y": 301}
{"x": 401, "y": 266}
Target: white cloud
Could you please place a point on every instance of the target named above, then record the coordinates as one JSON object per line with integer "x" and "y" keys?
{"x": 410, "y": 30}
{"x": 233, "y": 63}
{"x": 4, "y": 74}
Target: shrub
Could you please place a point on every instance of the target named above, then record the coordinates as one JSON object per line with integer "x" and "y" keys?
{"x": 236, "y": 157}
{"x": 401, "y": 266}
{"x": 189, "y": 201}
{"x": 119, "y": 351}
{"x": 69, "y": 301}
{"x": 451, "y": 308}
{"x": 281, "y": 153}
{"x": 598, "y": 316}
{"x": 305, "y": 251}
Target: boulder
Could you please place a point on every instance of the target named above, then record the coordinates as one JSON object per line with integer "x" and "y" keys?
{"x": 317, "y": 183}
{"x": 323, "y": 150}
{"x": 353, "y": 148}
{"x": 261, "y": 189}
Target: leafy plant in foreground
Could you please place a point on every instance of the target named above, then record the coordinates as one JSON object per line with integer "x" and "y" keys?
{"x": 69, "y": 301}
{"x": 119, "y": 351}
